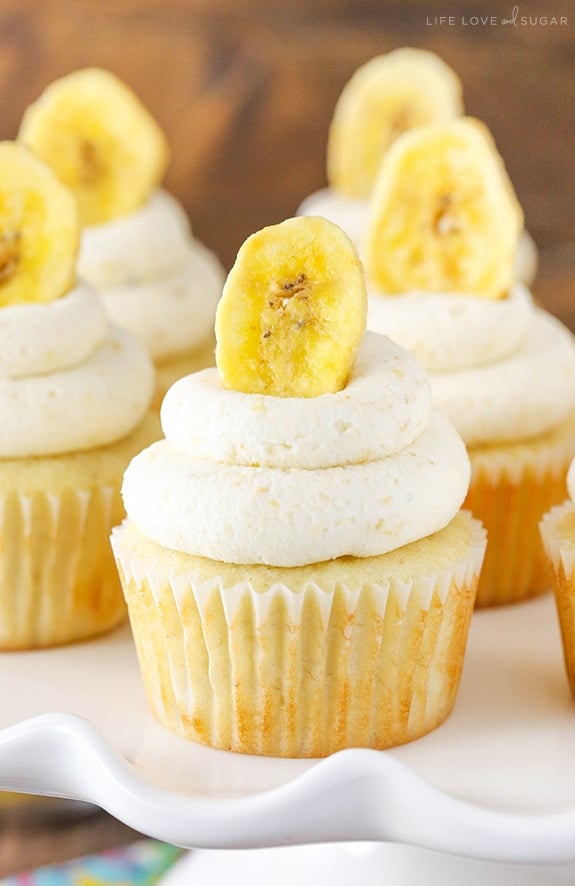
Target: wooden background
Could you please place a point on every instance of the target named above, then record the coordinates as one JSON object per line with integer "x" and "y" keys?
{"x": 245, "y": 90}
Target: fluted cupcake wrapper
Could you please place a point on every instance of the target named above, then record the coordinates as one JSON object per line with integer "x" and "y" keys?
{"x": 511, "y": 488}
{"x": 560, "y": 552}
{"x": 58, "y": 581}
{"x": 299, "y": 674}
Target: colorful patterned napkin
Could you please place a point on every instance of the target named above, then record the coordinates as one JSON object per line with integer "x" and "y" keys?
{"x": 140, "y": 864}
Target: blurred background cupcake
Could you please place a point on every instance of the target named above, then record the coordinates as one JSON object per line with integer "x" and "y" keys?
{"x": 439, "y": 252}
{"x": 74, "y": 396}
{"x": 155, "y": 279}
{"x": 558, "y": 534}
{"x": 387, "y": 96}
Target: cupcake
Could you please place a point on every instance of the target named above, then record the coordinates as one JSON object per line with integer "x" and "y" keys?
{"x": 558, "y": 535}
{"x": 155, "y": 279}
{"x": 439, "y": 259}
{"x": 298, "y": 573}
{"x": 387, "y": 96}
{"x": 74, "y": 394}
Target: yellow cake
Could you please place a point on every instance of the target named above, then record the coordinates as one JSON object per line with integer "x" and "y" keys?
{"x": 298, "y": 574}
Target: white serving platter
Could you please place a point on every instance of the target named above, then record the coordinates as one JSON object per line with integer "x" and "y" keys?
{"x": 495, "y": 782}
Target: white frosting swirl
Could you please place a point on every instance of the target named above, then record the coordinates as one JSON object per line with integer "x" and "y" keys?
{"x": 155, "y": 279}
{"x": 254, "y": 501}
{"x": 385, "y": 405}
{"x": 151, "y": 241}
{"x": 62, "y": 405}
{"x": 500, "y": 370}
{"x": 38, "y": 337}
{"x": 295, "y": 516}
{"x": 529, "y": 393}
{"x": 161, "y": 312}
{"x": 352, "y": 215}
{"x": 448, "y": 331}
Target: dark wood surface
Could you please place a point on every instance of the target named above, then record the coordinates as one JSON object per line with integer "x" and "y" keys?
{"x": 32, "y": 835}
{"x": 245, "y": 90}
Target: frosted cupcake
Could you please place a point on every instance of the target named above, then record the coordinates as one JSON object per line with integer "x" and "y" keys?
{"x": 439, "y": 259}
{"x": 298, "y": 573}
{"x": 386, "y": 97}
{"x": 156, "y": 280}
{"x": 558, "y": 534}
{"x": 74, "y": 397}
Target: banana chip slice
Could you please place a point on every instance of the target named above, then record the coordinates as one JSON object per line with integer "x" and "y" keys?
{"x": 292, "y": 312}
{"x": 444, "y": 216}
{"x": 39, "y": 229}
{"x": 100, "y": 140}
{"x": 385, "y": 97}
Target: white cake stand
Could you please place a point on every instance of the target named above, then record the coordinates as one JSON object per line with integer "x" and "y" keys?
{"x": 495, "y": 783}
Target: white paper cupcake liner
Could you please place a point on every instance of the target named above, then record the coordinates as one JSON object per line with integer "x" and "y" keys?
{"x": 58, "y": 582}
{"x": 560, "y": 554}
{"x": 512, "y": 486}
{"x": 560, "y": 549}
{"x": 302, "y": 673}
